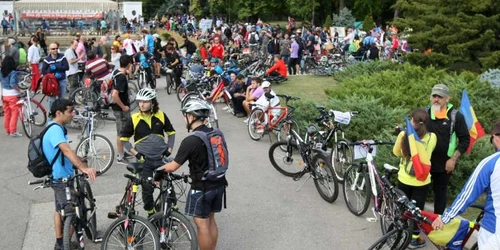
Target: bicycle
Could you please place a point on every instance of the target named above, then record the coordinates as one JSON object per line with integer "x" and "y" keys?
{"x": 88, "y": 147}
{"x": 400, "y": 233}
{"x": 313, "y": 161}
{"x": 32, "y": 113}
{"x": 81, "y": 200}
{"x": 175, "y": 229}
{"x": 364, "y": 181}
{"x": 262, "y": 121}
{"x": 341, "y": 155}
{"x": 129, "y": 230}
{"x": 143, "y": 78}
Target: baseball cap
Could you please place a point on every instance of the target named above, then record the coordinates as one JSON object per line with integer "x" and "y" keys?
{"x": 156, "y": 35}
{"x": 440, "y": 90}
{"x": 292, "y": 37}
{"x": 266, "y": 84}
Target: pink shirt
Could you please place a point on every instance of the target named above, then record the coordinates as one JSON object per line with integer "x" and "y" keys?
{"x": 81, "y": 49}
{"x": 257, "y": 93}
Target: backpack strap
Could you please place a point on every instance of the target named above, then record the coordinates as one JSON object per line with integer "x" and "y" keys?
{"x": 453, "y": 118}
{"x": 58, "y": 149}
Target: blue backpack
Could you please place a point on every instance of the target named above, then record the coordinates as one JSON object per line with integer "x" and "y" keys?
{"x": 218, "y": 160}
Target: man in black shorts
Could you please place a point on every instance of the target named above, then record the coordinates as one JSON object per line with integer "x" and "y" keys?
{"x": 205, "y": 197}
{"x": 121, "y": 106}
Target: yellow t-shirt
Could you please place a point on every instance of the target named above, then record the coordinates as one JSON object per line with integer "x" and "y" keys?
{"x": 404, "y": 177}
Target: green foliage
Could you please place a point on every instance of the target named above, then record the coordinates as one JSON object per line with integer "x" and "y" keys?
{"x": 463, "y": 34}
{"x": 364, "y": 8}
{"x": 328, "y": 22}
{"x": 492, "y": 76}
{"x": 368, "y": 23}
{"x": 364, "y": 68}
{"x": 165, "y": 36}
{"x": 344, "y": 18}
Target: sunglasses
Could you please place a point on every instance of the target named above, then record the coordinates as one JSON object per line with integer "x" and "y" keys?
{"x": 493, "y": 135}
{"x": 53, "y": 48}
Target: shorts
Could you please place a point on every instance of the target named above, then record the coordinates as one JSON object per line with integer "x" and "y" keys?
{"x": 121, "y": 119}
{"x": 60, "y": 198}
{"x": 201, "y": 203}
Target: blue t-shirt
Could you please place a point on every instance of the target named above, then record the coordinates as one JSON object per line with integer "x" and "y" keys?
{"x": 144, "y": 61}
{"x": 150, "y": 43}
{"x": 54, "y": 136}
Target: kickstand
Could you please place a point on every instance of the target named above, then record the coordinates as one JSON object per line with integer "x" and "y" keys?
{"x": 304, "y": 182}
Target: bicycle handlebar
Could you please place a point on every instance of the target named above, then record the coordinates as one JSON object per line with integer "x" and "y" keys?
{"x": 288, "y": 98}
{"x": 38, "y": 181}
{"x": 375, "y": 142}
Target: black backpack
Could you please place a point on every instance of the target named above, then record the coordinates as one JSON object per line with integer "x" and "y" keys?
{"x": 38, "y": 164}
{"x": 302, "y": 44}
{"x": 252, "y": 39}
{"x": 217, "y": 153}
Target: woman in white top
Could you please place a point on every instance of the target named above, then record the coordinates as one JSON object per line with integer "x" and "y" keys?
{"x": 10, "y": 91}
{"x": 33, "y": 61}
{"x": 115, "y": 57}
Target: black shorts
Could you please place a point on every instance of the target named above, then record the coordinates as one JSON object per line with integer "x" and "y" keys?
{"x": 201, "y": 203}
{"x": 60, "y": 200}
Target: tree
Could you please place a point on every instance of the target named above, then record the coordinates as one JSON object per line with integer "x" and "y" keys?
{"x": 462, "y": 35}
{"x": 328, "y": 22}
{"x": 344, "y": 19}
{"x": 368, "y": 23}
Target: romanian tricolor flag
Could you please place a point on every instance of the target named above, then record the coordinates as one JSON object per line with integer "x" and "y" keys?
{"x": 476, "y": 131}
{"x": 420, "y": 158}
{"x": 451, "y": 236}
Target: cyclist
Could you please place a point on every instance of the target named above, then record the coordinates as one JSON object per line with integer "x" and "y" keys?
{"x": 143, "y": 58}
{"x": 279, "y": 68}
{"x": 484, "y": 179}
{"x": 148, "y": 127}
{"x": 55, "y": 143}
{"x": 205, "y": 197}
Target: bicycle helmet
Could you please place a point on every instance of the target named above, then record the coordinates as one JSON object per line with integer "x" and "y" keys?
{"x": 145, "y": 94}
{"x": 197, "y": 107}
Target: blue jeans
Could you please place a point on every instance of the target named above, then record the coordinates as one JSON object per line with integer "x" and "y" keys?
{"x": 187, "y": 59}
{"x": 62, "y": 88}
{"x": 285, "y": 58}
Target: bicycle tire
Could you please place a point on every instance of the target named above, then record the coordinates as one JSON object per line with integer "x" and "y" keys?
{"x": 84, "y": 96}
{"x": 349, "y": 177}
{"x": 255, "y": 123}
{"x": 284, "y": 130}
{"x": 152, "y": 82}
{"x": 181, "y": 93}
{"x": 183, "y": 223}
{"x": 288, "y": 158}
{"x": 341, "y": 157}
{"x": 69, "y": 223}
{"x": 132, "y": 92}
{"x": 170, "y": 84}
{"x": 396, "y": 239}
{"x": 332, "y": 195}
{"x": 141, "y": 81}
{"x": 89, "y": 210}
{"x": 39, "y": 111}
{"x": 388, "y": 213}
{"x": 25, "y": 121}
{"x": 131, "y": 220}
{"x": 91, "y": 161}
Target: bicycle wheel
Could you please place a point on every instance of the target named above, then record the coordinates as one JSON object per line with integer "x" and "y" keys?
{"x": 141, "y": 81}
{"x": 133, "y": 232}
{"x": 285, "y": 128}
{"x": 212, "y": 119}
{"x": 356, "y": 192}
{"x": 396, "y": 239}
{"x": 152, "y": 82}
{"x": 256, "y": 126}
{"x": 68, "y": 228}
{"x": 84, "y": 96}
{"x": 389, "y": 211}
{"x": 26, "y": 121}
{"x": 170, "y": 83}
{"x": 341, "y": 158}
{"x": 180, "y": 233}
{"x": 38, "y": 113}
{"x": 181, "y": 92}
{"x": 132, "y": 92}
{"x": 89, "y": 210}
{"x": 98, "y": 151}
{"x": 290, "y": 159}
{"x": 325, "y": 182}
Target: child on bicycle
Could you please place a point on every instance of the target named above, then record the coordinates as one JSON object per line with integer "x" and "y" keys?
{"x": 408, "y": 183}
{"x": 143, "y": 58}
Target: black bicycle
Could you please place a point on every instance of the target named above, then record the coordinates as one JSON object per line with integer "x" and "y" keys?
{"x": 79, "y": 197}
{"x": 129, "y": 230}
{"x": 175, "y": 229}
{"x": 314, "y": 161}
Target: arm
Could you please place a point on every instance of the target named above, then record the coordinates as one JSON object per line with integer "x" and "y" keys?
{"x": 64, "y": 65}
{"x": 273, "y": 68}
{"x": 169, "y": 129}
{"x": 13, "y": 81}
{"x": 396, "y": 150}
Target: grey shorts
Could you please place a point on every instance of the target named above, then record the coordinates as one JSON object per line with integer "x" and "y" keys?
{"x": 60, "y": 200}
{"x": 121, "y": 119}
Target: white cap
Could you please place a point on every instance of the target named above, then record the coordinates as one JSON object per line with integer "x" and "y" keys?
{"x": 156, "y": 35}
{"x": 11, "y": 41}
{"x": 266, "y": 84}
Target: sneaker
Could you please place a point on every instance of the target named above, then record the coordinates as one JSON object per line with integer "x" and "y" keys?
{"x": 122, "y": 161}
{"x": 16, "y": 134}
{"x": 416, "y": 243}
{"x": 246, "y": 120}
{"x": 58, "y": 247}
{"x": 226, "y": 108}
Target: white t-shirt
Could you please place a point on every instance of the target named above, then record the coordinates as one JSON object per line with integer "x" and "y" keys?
{"x": 275, "y": 102}
{"x": 33, "y": 54}
{"x": 127, "y": 44}
{"x": 73, "y": 68}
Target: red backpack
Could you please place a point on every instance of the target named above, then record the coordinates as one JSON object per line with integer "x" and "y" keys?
{"x": 50, "y": 85}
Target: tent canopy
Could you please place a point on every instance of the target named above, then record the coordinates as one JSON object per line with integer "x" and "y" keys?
{"x": 64, "y": 5}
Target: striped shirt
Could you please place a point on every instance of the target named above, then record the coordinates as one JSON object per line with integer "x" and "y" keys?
{"x": 98, "y": 68}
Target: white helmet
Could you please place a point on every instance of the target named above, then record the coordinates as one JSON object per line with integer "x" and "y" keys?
{"x": 199, "y": 108}
{"x": 145, "y": 94}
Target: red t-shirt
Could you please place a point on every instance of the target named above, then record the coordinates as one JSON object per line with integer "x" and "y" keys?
{"x": 217, "y": 51}
{"x": 203, "y": 53}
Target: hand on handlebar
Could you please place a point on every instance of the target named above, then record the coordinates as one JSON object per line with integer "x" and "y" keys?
{"x": 91, "y": 172}
{"x": 140, "y": 157}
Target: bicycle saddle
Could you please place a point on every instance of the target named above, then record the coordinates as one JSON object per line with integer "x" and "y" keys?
{"x": 390, "y": 168}
{"x": 320, "y": 107}
{"x": 135, "y": 167}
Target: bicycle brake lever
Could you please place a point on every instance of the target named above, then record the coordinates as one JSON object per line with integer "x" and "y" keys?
{"x": 38, "y": 187}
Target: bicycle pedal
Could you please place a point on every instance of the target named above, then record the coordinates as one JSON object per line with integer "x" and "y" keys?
{"x": 97, "y": 240}
{"x": 112, "y": 215}
{"x": 297, "y": 178}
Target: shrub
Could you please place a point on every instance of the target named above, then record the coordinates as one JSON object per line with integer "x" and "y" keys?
{"x": 368, "y": 23}
{"x": 492, "y": 76}
{"x": 364, "y": 68}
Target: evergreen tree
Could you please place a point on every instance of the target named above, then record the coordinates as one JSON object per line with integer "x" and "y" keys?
{"x": 344, "y": 19}
{"x": 328, "y": 22}
{"x": 368, "y": 23}
{"x": 460, "y": 35}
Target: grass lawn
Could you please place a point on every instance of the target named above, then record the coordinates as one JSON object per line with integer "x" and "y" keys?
{"x": 306, "y": 87}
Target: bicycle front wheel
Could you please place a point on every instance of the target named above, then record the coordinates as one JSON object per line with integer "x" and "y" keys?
{"x": 325, "y": 181}
{"x": 98, "y": 151}
{"x": 178, "y": 231}
{"x": 181, "y": 92}
{"x": 132, "y": 92}
{"x": 256, "y": 125}
{"x": 341, "y": 158}
{"x": 356, "y": 190}
{"x": 396, "y": 239}
{"x": 68, "y": 231}
{"x": 133, "y": 232}
{"x": 89, "y": 211}
{"x": 26, "y": 121}
{"x": 170, "y": 83}
{"x": 389, "y": 211}
{"x": 288, "y": 162}
{"x": 38, "y": 113}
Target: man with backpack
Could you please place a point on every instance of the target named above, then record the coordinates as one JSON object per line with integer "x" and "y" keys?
{"x": 54, "y": 71}
{"x": 62, "y": 159}
{"x": 452, "y": 141}
{"x": 302, "y": 46}
{"x": 121, "y": 102}
{"x": 206, "y": 151}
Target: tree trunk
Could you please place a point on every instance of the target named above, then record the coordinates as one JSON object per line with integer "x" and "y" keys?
{"x": 396, "y": 12}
